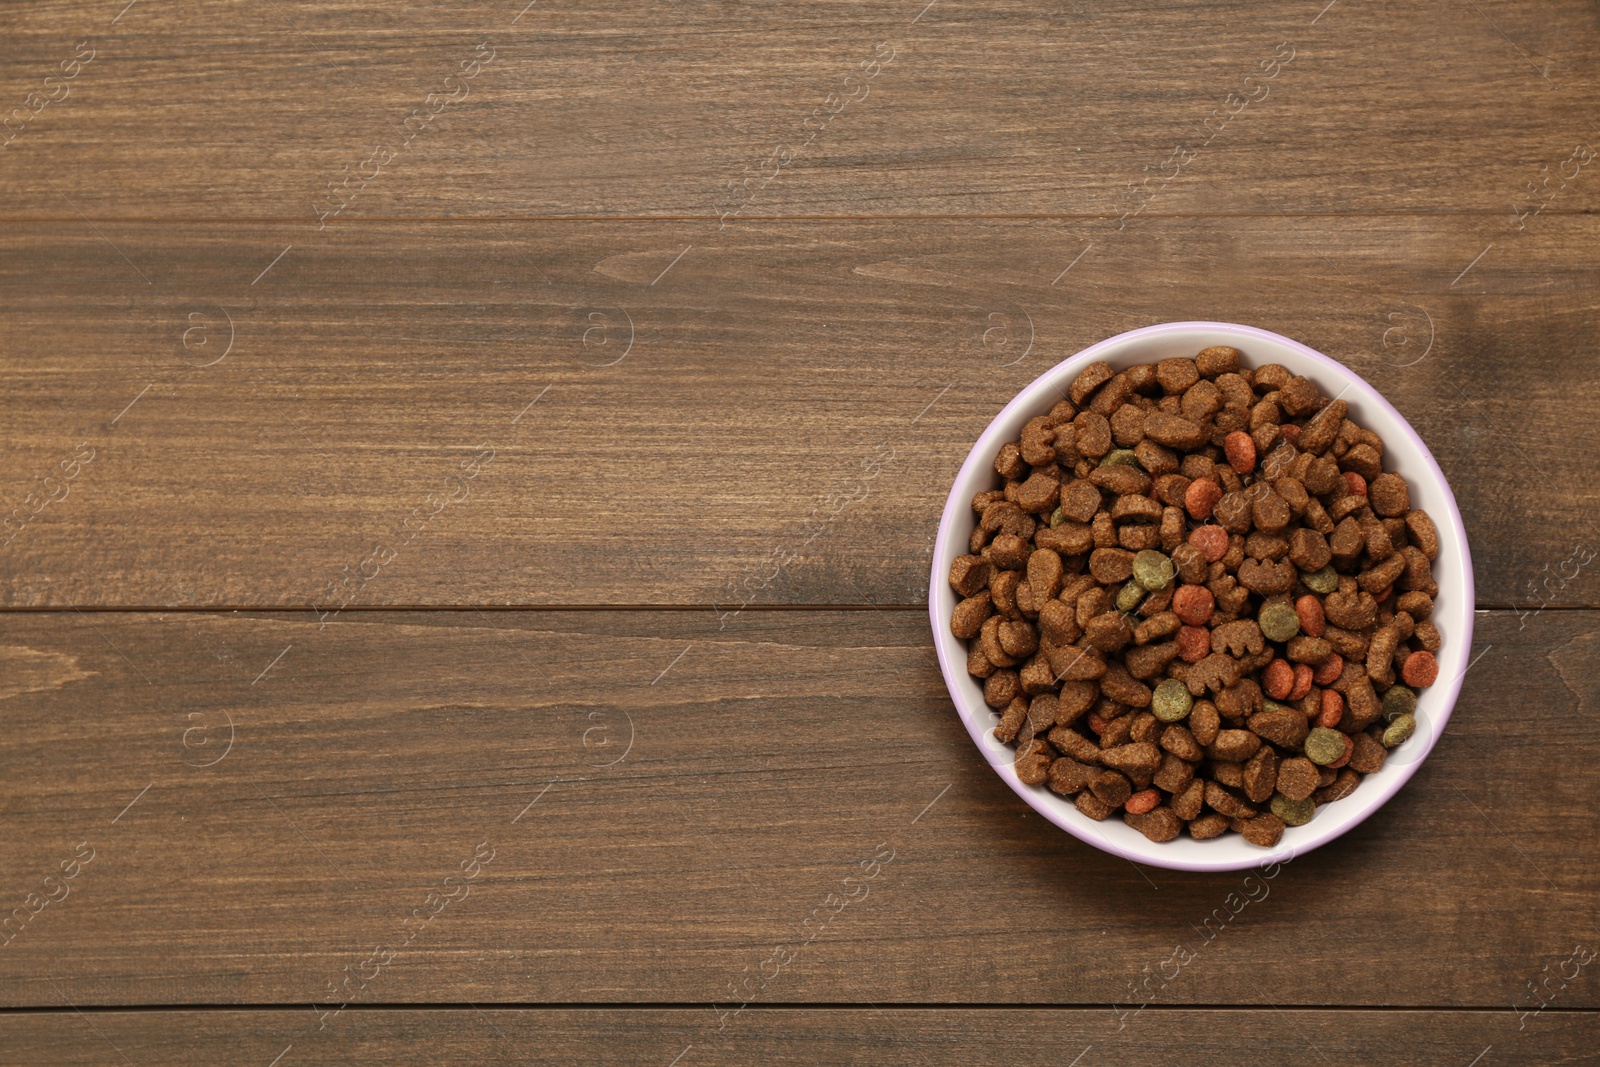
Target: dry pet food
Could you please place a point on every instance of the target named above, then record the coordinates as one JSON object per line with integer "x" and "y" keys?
{"x": 1196, "y": 597}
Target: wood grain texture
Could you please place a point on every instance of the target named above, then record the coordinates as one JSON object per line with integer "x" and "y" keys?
{"x": 872, "y": 1037}
{"x": 667, "y": 802}
{"x": 233, "y": 110}
{"x": 705, "y": 401}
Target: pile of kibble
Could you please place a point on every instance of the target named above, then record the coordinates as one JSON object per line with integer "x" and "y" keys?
{"x": 1198, "y": 598}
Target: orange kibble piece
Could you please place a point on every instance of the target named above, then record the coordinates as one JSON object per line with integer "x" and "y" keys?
{"x": 1201, "y": 496}
{"x": 1302, "y": 682}
{"x": 1143, "y": 801}
{"x": 1330, "y": 669}
{"x": 1240, "y": 449}
{"x": 1357, "y": 484}
{"x": 1212, "y": 541}
{"x": 1277, "y": 680}
{"x": 1312, "y": 621}
{"x": 1193, "y": 604}
{"x": 1194, "y": 643}
{"x": 1420, "y": 669}
{"x": 1290, "y": 433}
{"x": 1332, "y": 709}
{"x": 1097, "y": 722}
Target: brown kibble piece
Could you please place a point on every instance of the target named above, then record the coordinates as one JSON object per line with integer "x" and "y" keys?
{"x": 1342, "y": 787}
{"x": 1092, "y": 806}
{"x": 1308, "y": 550}
{"x": 1039, "y": 493}
{"x": 1178, "y": 740}
{"x": 1261, "y": 775}
{"x": 970, "y": 574}
{"x": 968, "y": 618}
{"x": 1018, "y": 639}
{"x": 1204, "y": 722}
{"x": 1263, "y": 830}
{"x": 1319, "y": 432}
{"x": 1001, "y": 688}
{"x": 1217, "y": 360}
{"x": 1368, "y": 754}
{"x": 1220, "y": 800}
{"x": 1093, "y": 377}
{"x": 1297, "y": 778}
{"x": 1045, "y": 574}
{"x": 1139, "y": 759}
{"x": 1080, "y": 500}
{"x": 1033, "y": 762}
{"x": 1111, "y": 787}
{"x": 1111, "y": 565}
{"x": 1011, "y": 720}
{"x": 1282, "y": 726}
{"x": 1389, "y": 495}
{"x": 1094, "y": 434}
{"x": 1077, "y": 663}
{"x": 1233, "y": 745}
{"x": 1174, "y": 774}
{"x": 1158, "y": 824}
{"x": 1187, "y": 804}
{"x": 1174, "y": 431}
{"x": 1207, "y": 826}
{"x": 1423, "y": 533}
{"x": 1067, "y": 776}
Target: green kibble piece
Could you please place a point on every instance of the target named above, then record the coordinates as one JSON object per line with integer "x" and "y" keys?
{"x": 1279, "y": 621}
{"x": 1324, "y": 746}
{"x": 1171, "y": 701}
{"x": 1293, "y": 812}
{"x": 1399, "y": 730}
{"x": 1055, "y": 517}
{"x": 1324, "y": 581}
{"x": 1398, "y": 701}
{"x": 1128, "y": 596}
{"x": 1153, "y": 570}
{"x": 1120, "y": 457}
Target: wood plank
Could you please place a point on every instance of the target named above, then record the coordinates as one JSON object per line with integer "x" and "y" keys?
{"x": 886, "y": 1036}
{"x": 199, "y": 110}
{"x": 705, "y": 403}
{"x": 667, "y": 802}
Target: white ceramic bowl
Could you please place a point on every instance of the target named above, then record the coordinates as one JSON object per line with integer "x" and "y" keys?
{"x": 1404, "y": 453}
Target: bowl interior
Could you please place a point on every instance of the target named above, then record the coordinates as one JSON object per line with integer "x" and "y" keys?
{"x": 1404, "y": 453}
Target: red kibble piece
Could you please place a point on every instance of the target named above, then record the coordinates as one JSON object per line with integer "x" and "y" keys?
{"x": 1193, "y": 604}
{"x": 1201, "y": 496}
{"x": 1384, "y": 594}
{"x": 1290, "y": 433}
{"x": 1312, "y": 621}
{"x": 1332, "y": 709}
{"x": 1349, "y": 747}
{"x": 1212, "y": 541}
{"x": 1194, "y": 643}
{"x": 1302, "y": 682}
{"x": 1420, "y": 669}
{"x": 1142, "y": 801}
{"x": 1277, "y": 680}
{"x": 1357, "y": 484}
{"x": 1097, "y": 722}
{"x": 1241, "y": 451}
{"x": 1330, "y": 669}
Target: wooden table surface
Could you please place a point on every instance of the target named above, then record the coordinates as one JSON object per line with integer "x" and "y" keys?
{"x": 470, "y": 473}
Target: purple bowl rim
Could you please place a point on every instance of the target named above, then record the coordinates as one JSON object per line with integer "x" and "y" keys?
{"x": 1279, "y": 854}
